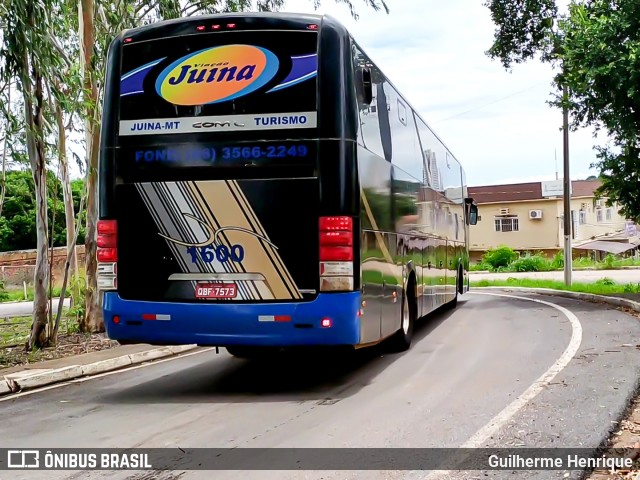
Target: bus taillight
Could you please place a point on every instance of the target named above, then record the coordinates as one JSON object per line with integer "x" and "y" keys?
{"x": 107, "y": 254}
{"x": 336, "y": 253}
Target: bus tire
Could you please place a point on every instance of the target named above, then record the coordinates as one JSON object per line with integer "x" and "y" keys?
{"x": 401, "y": 340}
{"x": 454, "y": 303}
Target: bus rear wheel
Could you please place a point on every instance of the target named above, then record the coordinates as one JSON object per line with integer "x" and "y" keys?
{"x": 459, "y": 288}
{"x": 401, "y": 340}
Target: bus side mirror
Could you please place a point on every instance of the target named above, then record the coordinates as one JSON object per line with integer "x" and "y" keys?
{"x": 473, "y": 214}
{"x": 472, "y": 210}
{"x": 365, "y": 86}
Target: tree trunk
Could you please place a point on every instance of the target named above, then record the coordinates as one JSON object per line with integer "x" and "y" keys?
{"x": 3, "y": 181}
{"x": 37, "y": 160}
{"x": 93, "y": 316}
{"x": 66, "y": 190}
{"x": 93, "y": 321}
{"x": 65, "y": 279}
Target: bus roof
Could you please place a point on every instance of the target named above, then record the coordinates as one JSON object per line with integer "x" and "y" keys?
{"x": 275, "y": 19}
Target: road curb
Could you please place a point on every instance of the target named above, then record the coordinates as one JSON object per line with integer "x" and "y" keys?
{"x": 4, "y": 388}
{"x": 16, "y": 382}
{"x": 589, "y": 297}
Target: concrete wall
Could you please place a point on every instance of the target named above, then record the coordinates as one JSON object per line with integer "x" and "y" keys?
{"x": 18, "y": 266}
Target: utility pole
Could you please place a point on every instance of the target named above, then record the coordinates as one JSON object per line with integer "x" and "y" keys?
{"x": 567, "y": 193}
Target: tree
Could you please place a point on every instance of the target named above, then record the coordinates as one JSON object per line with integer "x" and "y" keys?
{"x": 524, "y": 29}
{"x": 65, "y": 93}
{"x": 598, "y": 47}
{"x": 30, "y": 57}
{"x": 93, "y": 316}
{"x": 601, "y": 54}
{"x": 6, "y": 134}
{"x": 18, "y": 223}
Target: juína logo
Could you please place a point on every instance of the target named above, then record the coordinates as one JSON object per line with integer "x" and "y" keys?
{"x": 217, "y": 74}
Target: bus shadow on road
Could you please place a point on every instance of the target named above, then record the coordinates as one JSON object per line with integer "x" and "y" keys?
{"x": 324, "y": 375}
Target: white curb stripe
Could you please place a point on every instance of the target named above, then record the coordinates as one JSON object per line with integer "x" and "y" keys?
{"x": 499, "y": 421}
{"x": 75, "y": 373}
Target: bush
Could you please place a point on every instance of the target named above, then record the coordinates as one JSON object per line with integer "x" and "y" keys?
{"x": 77, "y": 291}
{"x": 499, "y": 257}
{"x": 530, "y": 263}
{"x": 608, "y": 260}
{"x": 558, "y": 261}
{"x": 583, "y": 262}
{"x": 605, "y": 281}
{"x": 4, "y": 295}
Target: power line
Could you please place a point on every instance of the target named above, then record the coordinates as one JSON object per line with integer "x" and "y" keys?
{"x": 491, "y": 103}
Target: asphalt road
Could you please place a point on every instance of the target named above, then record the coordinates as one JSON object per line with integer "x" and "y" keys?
{"x": 497, "y": 371}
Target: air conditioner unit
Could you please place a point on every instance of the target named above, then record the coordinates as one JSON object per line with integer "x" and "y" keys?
{"x": 535, "y": 214}
{"x": 504, "y": 211}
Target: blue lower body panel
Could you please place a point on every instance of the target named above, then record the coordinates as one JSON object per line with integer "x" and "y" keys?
{"x": 235, "y": 324}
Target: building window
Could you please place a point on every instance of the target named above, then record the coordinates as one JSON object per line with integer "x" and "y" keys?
{"x": 583, "y": 218}
{"x": 506, "y": 224}
{"x": 608, "y": 214}
{"x": 599, "y": 215}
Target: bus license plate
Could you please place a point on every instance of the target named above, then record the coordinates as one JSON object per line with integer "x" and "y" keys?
{"x": 216, "y": 290}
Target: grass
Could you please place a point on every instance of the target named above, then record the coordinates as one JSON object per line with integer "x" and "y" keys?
{"x": 13, "y": 336}
{"x": 16, "y": 330}
{"x": 603, "y": 286}
{"x": 17, "y": 294}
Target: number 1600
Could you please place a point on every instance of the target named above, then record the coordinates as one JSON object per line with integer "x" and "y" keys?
{"x": 221, "y": 253}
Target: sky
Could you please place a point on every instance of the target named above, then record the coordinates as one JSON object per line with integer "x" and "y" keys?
{"x": 496, "y": 122}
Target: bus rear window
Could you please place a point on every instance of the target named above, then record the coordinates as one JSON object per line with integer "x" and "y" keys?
{"x": 220, "y": 85}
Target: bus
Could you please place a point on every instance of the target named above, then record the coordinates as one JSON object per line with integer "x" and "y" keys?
{"x": 264, "y": 186}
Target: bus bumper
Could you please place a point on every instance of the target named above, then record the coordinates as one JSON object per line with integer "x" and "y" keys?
{"x": 272, "y": 324}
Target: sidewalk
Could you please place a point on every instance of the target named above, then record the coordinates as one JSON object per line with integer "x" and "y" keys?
{"x": 25, "y": 308}
{"x": 24, "y": 377}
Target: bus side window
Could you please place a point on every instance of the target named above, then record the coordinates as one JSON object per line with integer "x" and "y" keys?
{"x": 365, "y": 87}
